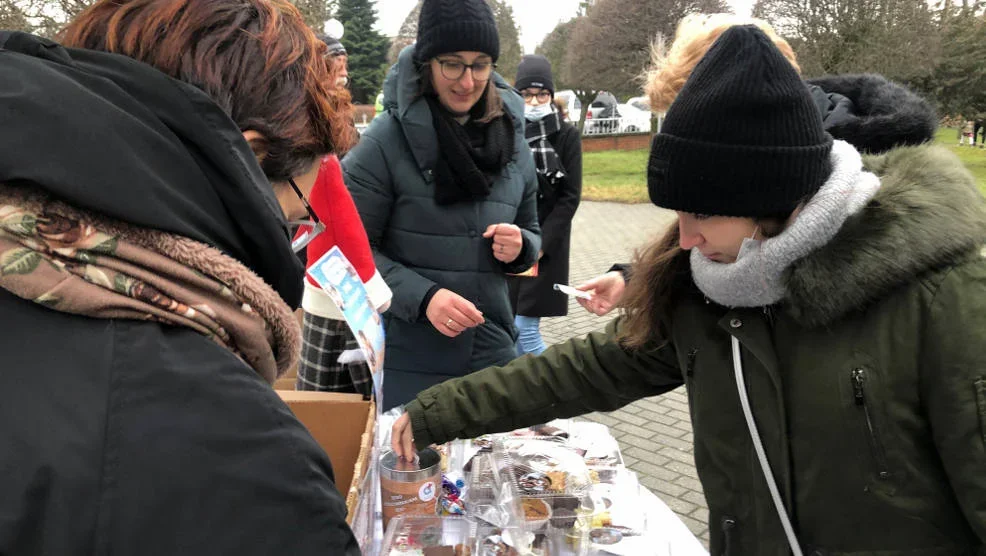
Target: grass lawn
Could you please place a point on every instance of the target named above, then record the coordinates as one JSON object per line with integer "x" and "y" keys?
{"x": 620, "y": 176}
{"x": 974, "y": 158}
{"x": 615, "y": 176}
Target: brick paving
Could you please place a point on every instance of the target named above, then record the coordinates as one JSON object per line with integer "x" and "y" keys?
{"x": 655, "y": 434}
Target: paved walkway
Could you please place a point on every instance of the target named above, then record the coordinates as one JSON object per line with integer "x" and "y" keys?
{"x": 655, "y": 433}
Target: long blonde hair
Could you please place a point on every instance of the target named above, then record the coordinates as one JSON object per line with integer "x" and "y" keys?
{"x": 671, "y": 67}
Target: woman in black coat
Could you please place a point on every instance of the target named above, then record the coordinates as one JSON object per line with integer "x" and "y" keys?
{"x": 557, "y": 150}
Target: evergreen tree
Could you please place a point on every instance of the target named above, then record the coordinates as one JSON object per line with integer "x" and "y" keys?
{"x": 510, "y": 50}
{"x": 315, "y": 12}
{"x": 367, "y": 49}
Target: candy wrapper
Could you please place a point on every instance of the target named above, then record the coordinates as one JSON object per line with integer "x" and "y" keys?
{"x": 451, "y": 502}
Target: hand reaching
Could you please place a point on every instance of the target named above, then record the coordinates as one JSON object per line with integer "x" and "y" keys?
{"x": 607, "y": 293}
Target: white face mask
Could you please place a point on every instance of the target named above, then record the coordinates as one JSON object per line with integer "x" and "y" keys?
{"x": 537, "y": 113}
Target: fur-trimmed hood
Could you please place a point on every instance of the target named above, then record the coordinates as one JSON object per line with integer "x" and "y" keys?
{"x": 882, "y": 115}
{"x": 927, "y": 215}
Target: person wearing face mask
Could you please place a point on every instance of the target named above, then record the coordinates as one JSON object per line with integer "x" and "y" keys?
{"x": 447, "y": 189}
{"x": 147, "y": 281}
{"x": 824, "y": 308}
{"x": 330, "y": 353}
{"x": 557, "y": 150}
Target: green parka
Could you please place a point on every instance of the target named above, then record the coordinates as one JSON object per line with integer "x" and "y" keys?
{"x": 867, "y": 383}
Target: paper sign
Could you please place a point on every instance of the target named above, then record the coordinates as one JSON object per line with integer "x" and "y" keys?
{"x": 338, "y": 278}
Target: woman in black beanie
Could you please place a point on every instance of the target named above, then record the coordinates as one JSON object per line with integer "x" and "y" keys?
{"x": 826, "y": 311}
{"x": 557, "y": 150}
{"x": 446, "y": 188}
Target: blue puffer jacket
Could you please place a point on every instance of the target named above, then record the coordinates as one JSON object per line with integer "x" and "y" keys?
{"x": 418, "y": 244}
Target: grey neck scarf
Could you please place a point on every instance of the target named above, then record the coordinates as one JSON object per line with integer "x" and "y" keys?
{"x": 756, "y": 279}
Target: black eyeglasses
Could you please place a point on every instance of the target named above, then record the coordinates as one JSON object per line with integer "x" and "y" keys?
{"x": 309, "y": 228}
{"x": 543, "y": 95}
{"x": 455, "y": 69}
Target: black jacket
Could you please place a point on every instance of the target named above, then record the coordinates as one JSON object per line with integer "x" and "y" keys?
{"x": 536, "y": 297}
{"x": 133, "y": 437}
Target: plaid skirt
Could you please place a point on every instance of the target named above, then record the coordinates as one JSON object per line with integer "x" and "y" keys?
{"x": 323, "y": 341}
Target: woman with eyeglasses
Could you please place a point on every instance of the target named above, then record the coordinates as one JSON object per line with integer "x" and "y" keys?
{"x": 446, "y": 188}
{"x": 149, "y": 166}
{"x": 557, "y": 150}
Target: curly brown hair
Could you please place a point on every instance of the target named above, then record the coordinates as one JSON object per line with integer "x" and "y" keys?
{"x": 255, "y": 58}
{"x": 671, "y": 66}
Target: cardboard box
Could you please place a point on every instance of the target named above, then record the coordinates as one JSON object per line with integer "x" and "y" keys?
{"x": 344, "y": 426}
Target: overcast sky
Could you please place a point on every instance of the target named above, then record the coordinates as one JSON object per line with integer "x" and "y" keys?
{"x": 536, "y": 18}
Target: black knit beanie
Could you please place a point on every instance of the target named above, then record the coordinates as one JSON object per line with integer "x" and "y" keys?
{"x": 453, "y": 25}
{"x": 534, "y": 71}
{"x": 335, "y": 47}
{"x": 743, "y": 137}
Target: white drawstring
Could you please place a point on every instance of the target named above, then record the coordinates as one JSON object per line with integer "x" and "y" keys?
{"x": 792, "y": 539}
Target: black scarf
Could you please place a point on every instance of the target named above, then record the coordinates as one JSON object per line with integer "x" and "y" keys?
{"x": 471, "y": 156}
{"x": 545, "y": 158}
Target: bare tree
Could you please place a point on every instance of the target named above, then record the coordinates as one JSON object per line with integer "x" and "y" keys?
{"x": 609, "y": 48}
{"x": 12, "y": 18}
{"x": 897, "y": 38}
{"x": 407, "y": 35}
{"x": 554, "y": 47}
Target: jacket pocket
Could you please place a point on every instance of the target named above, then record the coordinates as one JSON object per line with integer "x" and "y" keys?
{"x": 865, "y": 403}
{"x": 728, "y": 526}
{"x": 981, "y": 406}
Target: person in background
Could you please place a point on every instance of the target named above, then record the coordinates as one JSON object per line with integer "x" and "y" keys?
{"x": 338, "y": 60}
{"x": 825, "y": 310}
{"x": 331, "y": 360}
{"x": 866, "y": 110}
{"x": 967, "y": 133}
{"x": 147, "y": 176}
{"x": 557, "y": 149}
{"x": 447, "y": 189}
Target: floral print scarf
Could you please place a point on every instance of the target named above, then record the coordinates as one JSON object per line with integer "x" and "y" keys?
{"x": 73, "y": 262}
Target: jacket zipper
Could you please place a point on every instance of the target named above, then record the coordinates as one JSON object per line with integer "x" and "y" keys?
{"x": 690, "y": 368}
{"x": 728, "y": 524}
{"x": 859, "y": 396}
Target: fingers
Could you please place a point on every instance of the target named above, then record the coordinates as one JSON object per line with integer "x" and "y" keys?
{"x": 407, "y": 439}
{"x": 402, "y": 438}
{"x": 490, "y": 230}
{"x": 395, "y": 437}
{"x": 466, "y": 315}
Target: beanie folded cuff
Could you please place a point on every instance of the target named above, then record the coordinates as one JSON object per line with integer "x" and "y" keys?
{"x": 716, "y": 179}
{"x": 458, "y": 36}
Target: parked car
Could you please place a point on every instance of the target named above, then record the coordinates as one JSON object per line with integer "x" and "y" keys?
{"x": 633, "y": 119}
{"x": 640, "y": 103}
{"x": 602, "y": 116}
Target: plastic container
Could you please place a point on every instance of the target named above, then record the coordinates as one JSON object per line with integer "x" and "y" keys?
{"x": 428, "y": 536}
{"x": 410, "y": 488}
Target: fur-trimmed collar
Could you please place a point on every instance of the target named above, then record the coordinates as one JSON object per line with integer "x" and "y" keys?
{"x": 927, "y": 215}
{"x": 884, "y": 114}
